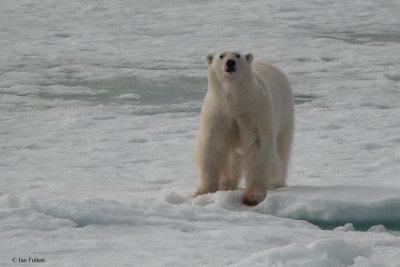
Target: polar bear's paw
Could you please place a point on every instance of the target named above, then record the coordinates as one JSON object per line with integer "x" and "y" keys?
{"x": 253, "y": 197}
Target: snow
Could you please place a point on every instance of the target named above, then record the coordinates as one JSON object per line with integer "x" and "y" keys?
{"x": 99, "y": 109}
{"x": 345, "y": 228}
{"x": 326, "y": 252}
{"x": 326, "y": 207}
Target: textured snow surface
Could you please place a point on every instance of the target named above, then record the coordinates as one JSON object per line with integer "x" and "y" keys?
{"x": 99, "y": 109}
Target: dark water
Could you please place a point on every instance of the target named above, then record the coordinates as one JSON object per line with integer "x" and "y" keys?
{"x": 175, "y": 90}
{"x": 140, "y": 92}
{"x": 358, "y": 225}
{"x": 148, "y": 91}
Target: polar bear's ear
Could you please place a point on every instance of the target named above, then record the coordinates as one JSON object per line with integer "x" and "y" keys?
{"x": 249, "y": 57}
{"x": 209, "y": 58}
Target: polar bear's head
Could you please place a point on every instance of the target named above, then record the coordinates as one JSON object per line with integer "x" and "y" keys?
{"x": 229, "y": 66}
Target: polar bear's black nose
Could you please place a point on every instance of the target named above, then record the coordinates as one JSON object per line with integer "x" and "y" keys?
{"x": 231, "y": 65}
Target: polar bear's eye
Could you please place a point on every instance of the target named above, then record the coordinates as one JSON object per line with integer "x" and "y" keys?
{"x": 238, "y": 56}
{"x": 221, "y": 56}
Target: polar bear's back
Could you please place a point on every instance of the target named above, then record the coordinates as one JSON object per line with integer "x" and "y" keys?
{"x": 274, "y": 78}
{"x": 275, "y": 81}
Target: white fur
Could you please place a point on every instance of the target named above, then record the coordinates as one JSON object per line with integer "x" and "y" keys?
{"x": 246, "y": 126}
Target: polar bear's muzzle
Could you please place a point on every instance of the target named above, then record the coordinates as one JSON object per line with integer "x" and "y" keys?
{"x": 230, "y": 66}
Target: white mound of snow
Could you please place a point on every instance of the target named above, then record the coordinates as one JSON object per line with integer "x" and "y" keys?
{"x": 334, "y": 205}
{"x": 340, "y": 204}
{"x": 348, "y": 227}
{"x": 324, "y": 252}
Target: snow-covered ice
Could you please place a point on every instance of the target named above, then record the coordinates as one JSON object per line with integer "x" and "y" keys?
{"x": 99, "y": 109}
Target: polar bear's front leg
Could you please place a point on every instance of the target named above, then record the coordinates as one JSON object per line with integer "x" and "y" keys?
{"x": 210, "y": 156}
{"x": 230, "y": 174}
{"x": 208, "y": 173}
{"x": 261, "y": 164}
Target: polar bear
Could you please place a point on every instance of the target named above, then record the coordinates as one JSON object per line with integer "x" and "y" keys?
{"x": 246, "y": 125}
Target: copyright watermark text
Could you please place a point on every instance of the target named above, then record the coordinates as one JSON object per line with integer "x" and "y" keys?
{"x": 28, "y": 260}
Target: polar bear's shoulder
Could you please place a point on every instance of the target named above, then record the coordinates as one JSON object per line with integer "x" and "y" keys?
{"x": 272, "y": 75}
{"x": 265, "y": 69}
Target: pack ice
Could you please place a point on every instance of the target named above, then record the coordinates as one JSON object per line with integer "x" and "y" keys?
{"x": 99, "y": 110}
